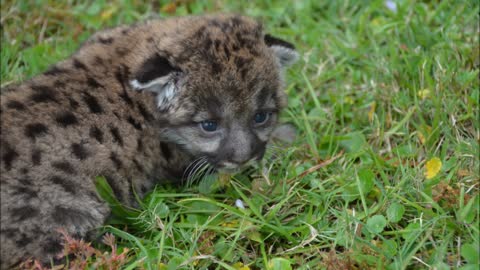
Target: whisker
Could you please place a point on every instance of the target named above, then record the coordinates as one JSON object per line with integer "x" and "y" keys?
{"x": 194, "y": 172}
{"x": 190, "y": 166}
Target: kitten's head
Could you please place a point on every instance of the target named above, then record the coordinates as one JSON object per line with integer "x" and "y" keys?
{"x": 220, "y": 96}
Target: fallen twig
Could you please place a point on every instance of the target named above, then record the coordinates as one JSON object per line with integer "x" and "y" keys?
{"x": 316, "y": 167}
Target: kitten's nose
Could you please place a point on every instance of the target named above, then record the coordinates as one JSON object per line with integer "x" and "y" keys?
{"x": 239, "y": 161}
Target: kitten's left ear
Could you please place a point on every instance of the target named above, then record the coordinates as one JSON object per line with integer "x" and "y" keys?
{"x": 284, "y": 51}
{"x": 158, "y": 75}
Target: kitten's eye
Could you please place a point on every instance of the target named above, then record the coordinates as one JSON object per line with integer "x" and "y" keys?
{"x": 261, "y": 117}
{"x": 209, "y": 125}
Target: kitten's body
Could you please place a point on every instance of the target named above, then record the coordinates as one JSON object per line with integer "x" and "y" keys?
{"x": 136, "y": 104}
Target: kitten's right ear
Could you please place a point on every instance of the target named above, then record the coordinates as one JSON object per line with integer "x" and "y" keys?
{"x": 157, "y": 75}
{"x": 284, "y": 51}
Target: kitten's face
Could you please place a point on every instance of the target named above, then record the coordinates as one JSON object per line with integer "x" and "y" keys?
{"x": 230, "y": 126}
{"x": 222, "y": 103}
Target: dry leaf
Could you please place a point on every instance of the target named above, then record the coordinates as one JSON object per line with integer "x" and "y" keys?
{"x": 421, "y": 137}
{"x": 169, "y": 8}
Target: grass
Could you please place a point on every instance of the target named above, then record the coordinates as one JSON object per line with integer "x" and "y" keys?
{"x": 377, "y": 94}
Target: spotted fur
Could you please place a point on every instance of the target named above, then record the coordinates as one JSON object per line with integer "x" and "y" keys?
{"x": 129, "y": 105}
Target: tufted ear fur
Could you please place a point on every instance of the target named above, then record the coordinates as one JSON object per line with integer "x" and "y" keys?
{"x": 284, "y": 51}
{"x": 157, "y": 75}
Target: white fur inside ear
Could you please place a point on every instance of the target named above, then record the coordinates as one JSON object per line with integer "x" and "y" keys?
{"x": 164, "y": 87}
{"x": 286, "y": 56}
{"x": 151, "y": 85}
{"x": 166, "y": 95}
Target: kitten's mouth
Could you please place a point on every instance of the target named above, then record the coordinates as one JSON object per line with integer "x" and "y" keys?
{"x": 229, "y": 167}
{"x": 233, "y": 168}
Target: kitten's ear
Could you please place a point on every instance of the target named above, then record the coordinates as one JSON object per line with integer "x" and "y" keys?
{"x": 284, "y": 51}
{"x": 157, "y": 75}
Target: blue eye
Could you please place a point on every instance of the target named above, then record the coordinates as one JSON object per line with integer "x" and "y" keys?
{"x": 209, "y": 125}
{"x": 261, "y": 117}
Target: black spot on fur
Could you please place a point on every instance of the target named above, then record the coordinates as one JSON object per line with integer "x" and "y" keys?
{"x": 23, "y": 240}
{"x": 263, "y": 96}
{"x": 105, "y": 41}
{"x": 217, "y": 45}
{"x": 99, "y": 61}
{"x": 273, "y": 41}
{"x": 134, "y": 123}
{"x": 9, "y": 156}
{"x": 92, "y": 103}
{"x": 59, "y": 84}
{"x": 52, "y": 246}
{"x": 242, "y": 62}
{"x": 73, "y": 103}
{"x": 23, "y": 212}
{"x": 64, "y": 166}
{"x": 138, "y": 166}
{"x": 26, "y": 191}
{"x": 35, "y": 130}
{"x": 70, "y": 216}
{"x": 121, "y": 51}
{"x": 154, "y": 67}
{"x": 79, "y": 151}
{"x": 79, "y": 65}
{"x": 226, "y": 51}
{"x": 43, "y": 94}
{"x": 116, "y": 161}
{"x": 216, "y": 67}
{"x": 236, "y": 21}
{"x": 25, "y": 181}
{"x": 66, "y": 119}
{"x": 207, "y": 42}
{"x": 67, "y": 185}
{"x": 165, "y": 150}
{"x": 116, "y": 135}
{"x": 53, "y": 71}
{"x": 121, "y": 75}
{"x": 139, "y": 145}
{"x": 17, "y": 105}
{"x": 36, "y": 156}
{"x": 225, "y": 27}
{"x": 143, "y": 111}
{"x": 93, "y": 83}
{"x": 96, "y": 133}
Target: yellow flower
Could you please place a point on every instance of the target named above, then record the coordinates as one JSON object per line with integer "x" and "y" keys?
{"x": 107, "y": 14}
{"x": 231, "y": 224}
{"x": 432, "y": 167}
{"x": 424, "y": 93}
{"x": 240, "y": 266}
{"x": 349, "y": 100}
